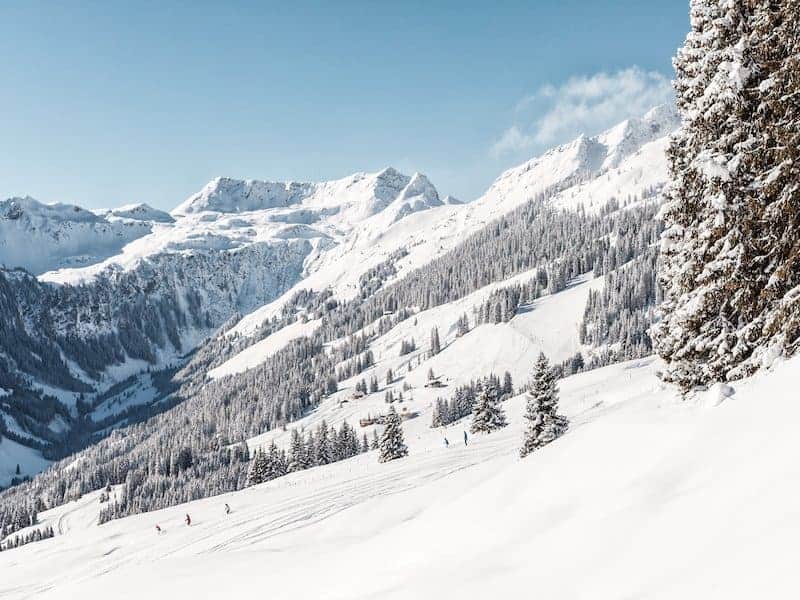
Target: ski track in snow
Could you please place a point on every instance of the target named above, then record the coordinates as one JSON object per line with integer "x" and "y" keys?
{"x": 265, "y": 515}
{"x": 647, "y": 496}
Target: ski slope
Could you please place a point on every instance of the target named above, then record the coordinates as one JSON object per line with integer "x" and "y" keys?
{"x": 549, "y": 324}
{"x": 646, "y": 496}
{"x": 259, "y": 352}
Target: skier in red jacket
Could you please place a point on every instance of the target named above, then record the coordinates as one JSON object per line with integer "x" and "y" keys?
{"x": 188, "y": 519}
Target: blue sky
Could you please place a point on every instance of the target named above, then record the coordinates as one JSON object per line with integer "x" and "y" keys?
{"x": 105, "y": 103}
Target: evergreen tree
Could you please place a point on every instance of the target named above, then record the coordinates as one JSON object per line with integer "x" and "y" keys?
{"x": 310, "y": 454}
{"x": 323, "y": 453}
{"x": 435, "y": 344}
{"x": 462, "y": 325}
{"x": 259, "y": 468}
{"x": 364, "y": 443}
{"x": 275, "y": 463}
{"x": 487, "y": 414}
{"x": 296, "y": 453}
{"x": 544, "y": 424}
{"x": 436, "y": 416}
{"x": 392, "y": 445}
{"x": 730, "y": 260}
{"x": 508, "y": 384}
{"x": 336, "y": 449}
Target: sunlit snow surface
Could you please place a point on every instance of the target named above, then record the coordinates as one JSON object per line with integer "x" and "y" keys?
{"x": 646, "y": 496}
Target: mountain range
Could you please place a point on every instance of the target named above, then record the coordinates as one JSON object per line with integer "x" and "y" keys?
{"x": 94, "y": 303}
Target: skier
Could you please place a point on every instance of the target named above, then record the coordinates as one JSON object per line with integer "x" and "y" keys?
{"x": 188, "y": 519}
{"x": 446, "y": 443}
{"x": 465, "y": 438}
{"x": 227, "y": 509}
{"x": 158, "y": 528}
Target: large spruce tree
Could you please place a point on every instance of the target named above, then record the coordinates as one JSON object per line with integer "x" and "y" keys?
{"x": 487, "y": 413}
{"x": 296, "y": 453}
{"x": 544, "y": 424}
{"x": 730, "y": 249}
{"x": 391, "y": 444}
{"x": 259, "y": 468}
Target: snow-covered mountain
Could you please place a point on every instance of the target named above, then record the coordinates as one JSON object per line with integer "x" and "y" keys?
{"x": 630, "y": 155}
{"x": 41, "y": 237}
{"x": 136, "y": 212}
{"x": 169, "y": 281}
{"x": 345, "y": 201}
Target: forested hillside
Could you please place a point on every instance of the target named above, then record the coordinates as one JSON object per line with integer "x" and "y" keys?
{"x": 195, "y": 449}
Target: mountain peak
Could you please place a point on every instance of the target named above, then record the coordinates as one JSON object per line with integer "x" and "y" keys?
{"x": 352, "y": 198}
{"x": 140, "y": 211}
{"x": 19, "y": 207}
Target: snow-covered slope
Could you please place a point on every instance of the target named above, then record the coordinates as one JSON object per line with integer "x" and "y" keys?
{"x": 628, "y": 158}
{"x": 40, "y": 237}
{"x": 262, "y": 350}
{"x": 549, "y": 324}
{"x": 646, "y": 496}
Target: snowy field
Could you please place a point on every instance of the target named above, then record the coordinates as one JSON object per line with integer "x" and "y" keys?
{"x": 646, "y": 496}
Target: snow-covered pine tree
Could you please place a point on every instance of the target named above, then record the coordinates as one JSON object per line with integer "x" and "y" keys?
{"x": 439, "y": 414}
{"x": 436, "y": 415}
{"x": 392, "y": 445}
{"x": 275, "y": 466}
{"x": 463, "y": 325}
{"x": 508, "y": 384}
{"x": 544, "y": 424}
{"x": 323, "y": 453}
{"x": 364, "y": 443}
{"x": 334, "y": 444}
{"x": 259, "y": 468}
{"x": 775, "y": 47}
{"x": 375, "y": 441}
{"x": 296, "y": 453}
{"x": 487, "y": 413}
{"x": 730, "y": 257}
{"x": 310, "y": 453}
{"x": 436, "y": 346}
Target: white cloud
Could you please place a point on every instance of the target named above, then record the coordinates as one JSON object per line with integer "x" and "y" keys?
{"x": 512, "y": 140}
{"x": 586, "y": 104}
